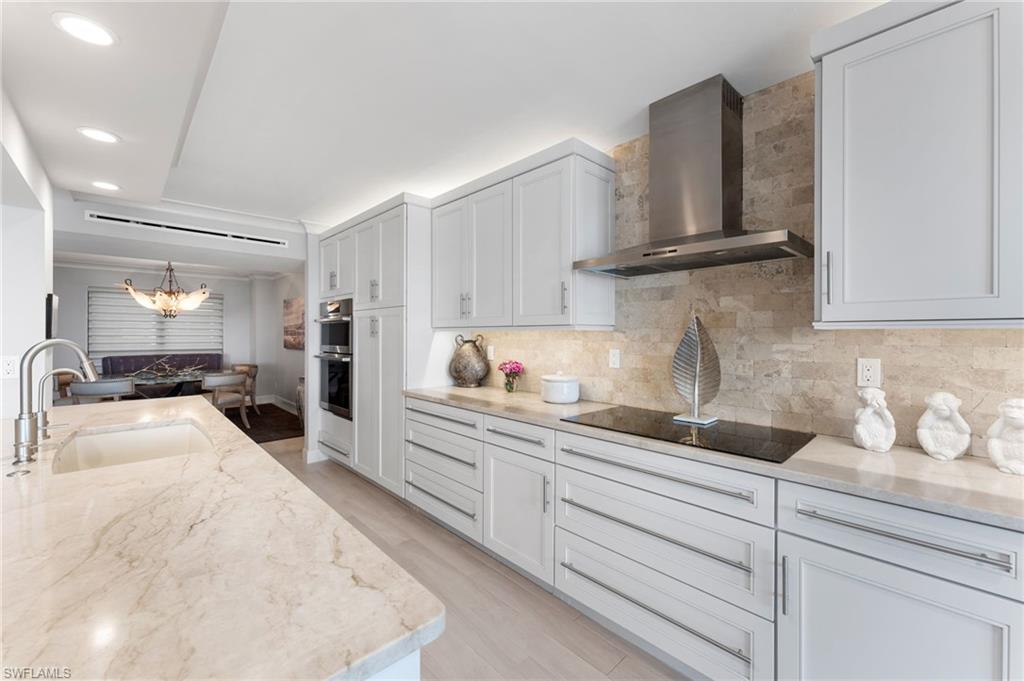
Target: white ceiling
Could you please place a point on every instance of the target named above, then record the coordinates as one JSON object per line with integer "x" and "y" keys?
{"x": 142, "y": 88}
{"x": 317, "y": 111}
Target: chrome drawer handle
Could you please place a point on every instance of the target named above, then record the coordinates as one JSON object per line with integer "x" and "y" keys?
{"x": 516, "y": 436}
{"x": 334, "y": 357}
{"x": 471, "y": 464}
{"x": 657, "y": 535}
{"x": 471, "y": 516}
{"x": 747, "y": 497}
{"x": 461, "y": 422}
{"x": 980, "y": 557}
{"x": 333, "y": 448}
{"x": 737, "y": 653}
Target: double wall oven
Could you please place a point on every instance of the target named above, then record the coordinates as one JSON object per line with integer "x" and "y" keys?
{"x": 335, "y": 357}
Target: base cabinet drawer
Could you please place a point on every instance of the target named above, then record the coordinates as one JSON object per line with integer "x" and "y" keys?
{"x": 522, "y": 437}
{"x": 450, "y": 502}
{"x": 987, "y": 558}
{"x": 845, "y": 615}
{"x": 742, "y": 495}
{"x": 724, "y": 556}
{"x": 334, "y": 448}
{"x": 461, "y": 421}
{"x": 704, "y": 633}
{"x": 454, "y": 456}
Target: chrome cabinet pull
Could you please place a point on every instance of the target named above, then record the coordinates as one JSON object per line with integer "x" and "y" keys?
{"x": 564, "y": 306}
{"x": 461, "y": 422}
{"x": 471, "y": 516}
{"x": 471, "y": 464}
{"x": 737, "y": 653}
{"x": 333, "y": 448}
{"x": 516, "y": 436}
{"x": 462, "y": 306}
{"x": 469, "y": 306}
{"x": 747, "y": 497}
{"x": 332, "y": 280}
{"x": 784, "y": 577}
{"x": 828, "y": 277}
{"x": 544, "y": 493}
{"x": 658, "y": 535}
{"x": 959, "y": 553}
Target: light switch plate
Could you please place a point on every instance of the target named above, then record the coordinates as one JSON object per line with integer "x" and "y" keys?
{"x": 490, "y": 352}
{"x": 614, "y": 358}
{"x": 869, "y": 373}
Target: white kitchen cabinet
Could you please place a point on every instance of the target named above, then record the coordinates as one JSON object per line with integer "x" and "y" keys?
{"x": 921, "y": 215}
{"x": 346, "y": 264}
{"x": 519, "y": 520}
{"x": 472, "y": 260}
{"x": 842, "y": 615}
{"x": 380, "y": 261}
{"x": 329, "y": 267}
{"x": 379, "y": 409}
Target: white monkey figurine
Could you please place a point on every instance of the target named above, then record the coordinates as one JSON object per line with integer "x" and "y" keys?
{"x": 874, "y": 428}
{"x": 941, "y": 430}
{"x": 1006, "y": 437}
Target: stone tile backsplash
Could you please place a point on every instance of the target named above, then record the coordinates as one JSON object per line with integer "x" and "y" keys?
{"x": 776, "y": 369}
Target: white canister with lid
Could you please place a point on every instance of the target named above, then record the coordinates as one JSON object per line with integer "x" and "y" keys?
{"x": 559, "y": 388}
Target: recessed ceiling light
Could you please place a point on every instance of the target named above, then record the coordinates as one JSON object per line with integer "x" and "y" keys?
{"x": 108, "y": 186}
{"x": 99, "y": 135}
{"x": 84, "y": 29}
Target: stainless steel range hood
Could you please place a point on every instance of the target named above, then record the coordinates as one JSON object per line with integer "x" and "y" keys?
{"x": 696, "y": 191}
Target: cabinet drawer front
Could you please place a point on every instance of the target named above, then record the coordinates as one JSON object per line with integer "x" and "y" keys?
{"x": 521, "y": 437}
{"x": 701, "y": 631}
{"x": 452, "y": 503}
{"x": 726, "y": 557}
{"x": 331, "y": 447}
{"x": 984, "y": 557}
{"x": 455, "y": 456}
{"x": 743, "y": 495}
{"x": 461, "y": 421}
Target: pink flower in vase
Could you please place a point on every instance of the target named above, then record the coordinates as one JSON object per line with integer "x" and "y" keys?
{"x": 512, "y": 369}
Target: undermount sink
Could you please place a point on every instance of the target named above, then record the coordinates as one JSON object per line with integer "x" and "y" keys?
{"x": 129, "y": 445}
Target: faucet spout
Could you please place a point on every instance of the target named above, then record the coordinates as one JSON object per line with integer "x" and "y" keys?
{"x": 25, "y": 436}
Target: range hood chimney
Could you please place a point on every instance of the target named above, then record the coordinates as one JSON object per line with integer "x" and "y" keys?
{"x": 696, "y": 191}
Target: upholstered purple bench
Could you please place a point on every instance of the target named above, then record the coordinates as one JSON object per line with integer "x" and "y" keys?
{"x": 125, "y": 364}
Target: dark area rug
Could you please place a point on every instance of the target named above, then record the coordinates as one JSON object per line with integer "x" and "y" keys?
{"x": 272, "y": 423}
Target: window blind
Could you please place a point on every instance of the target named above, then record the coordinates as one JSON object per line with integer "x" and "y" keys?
{"x": 120, "y": 326}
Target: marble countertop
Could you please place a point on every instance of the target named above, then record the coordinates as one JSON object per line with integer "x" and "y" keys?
{"x": 971, "y": 488}
{"x": 215, "y": 565}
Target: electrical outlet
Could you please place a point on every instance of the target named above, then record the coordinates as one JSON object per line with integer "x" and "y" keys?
{"x": 490, "y": 352}
{"x": 614, "y": 358}
{"x": 10, "y": 367}
{"x": 869, "y": 373}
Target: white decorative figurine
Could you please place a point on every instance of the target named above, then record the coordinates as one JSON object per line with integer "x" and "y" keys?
{"x": 941, "y": 430}
{"x": 874, "y": 428}
{"x": 1006, "y": 437}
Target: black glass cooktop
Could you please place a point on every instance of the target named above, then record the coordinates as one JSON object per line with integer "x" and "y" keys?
{"x": 743, "y": 439}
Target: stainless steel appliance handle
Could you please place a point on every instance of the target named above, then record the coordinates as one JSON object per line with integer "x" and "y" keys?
{"x": 959, "y": 553}
{"x": 461, "y": 422}
{"x": 516, "y": 436}
{"x": 738, "y": 654}
{"x": 658, "y": 535}
{"x": 333, "y": 448}
{"x": 330, "y": 319}
{"x": 471, "y": 464}
{"x": 749, "y": 498}
{"x": 335, "y": 358}
{"x": 471, "y": 516}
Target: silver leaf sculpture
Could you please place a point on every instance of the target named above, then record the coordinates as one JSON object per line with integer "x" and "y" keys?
{"x": 696, "y": 372}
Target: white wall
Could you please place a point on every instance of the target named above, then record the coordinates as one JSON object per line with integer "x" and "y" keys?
{"x": 26, "y": 248}
{"x": 71, "y": 284}
{"x": 280, "y": 368}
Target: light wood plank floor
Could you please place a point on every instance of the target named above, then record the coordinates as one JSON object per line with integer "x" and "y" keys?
{"x": 499, "y": 624}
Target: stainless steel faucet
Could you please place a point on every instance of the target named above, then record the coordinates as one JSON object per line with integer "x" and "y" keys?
{"x": 26, "y": 435}
{"x": 42, "y": 420}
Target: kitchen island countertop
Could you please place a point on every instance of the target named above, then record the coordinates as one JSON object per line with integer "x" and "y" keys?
{"x": 971, "y": 488}
{"x": 207, "y": 565}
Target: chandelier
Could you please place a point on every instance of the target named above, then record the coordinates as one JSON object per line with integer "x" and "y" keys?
{"x": 169, "y": 298}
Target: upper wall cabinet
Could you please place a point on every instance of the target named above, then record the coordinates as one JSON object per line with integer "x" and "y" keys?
{"x": 502, "y": 256}
{"x": 380, "y": 261}
{"x": 337, "y": 265}
{"x": 920, "y": 172}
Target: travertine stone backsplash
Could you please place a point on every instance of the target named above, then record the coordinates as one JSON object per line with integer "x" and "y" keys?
{"x": 776, "y": 369}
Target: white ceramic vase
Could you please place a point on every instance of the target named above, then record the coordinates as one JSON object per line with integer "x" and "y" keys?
{"x": 1006, "y": 437}
{"x": 941, "y": 430}
{"x": 874, "y": 428}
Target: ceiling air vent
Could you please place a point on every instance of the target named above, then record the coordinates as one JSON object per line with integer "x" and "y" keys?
{"x": 235, "y": 237}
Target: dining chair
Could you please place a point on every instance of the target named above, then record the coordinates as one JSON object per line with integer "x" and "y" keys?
{"x": 250, "y": 370}
{"x": 63, "y": 384}
{"x": 229, "y": 390}
{"x": 103, "y": 389}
